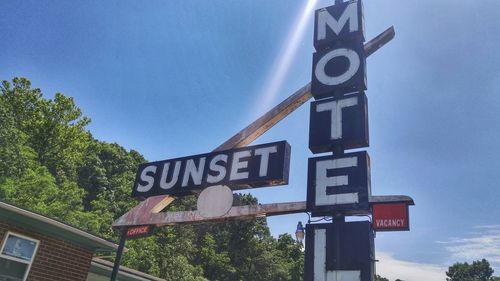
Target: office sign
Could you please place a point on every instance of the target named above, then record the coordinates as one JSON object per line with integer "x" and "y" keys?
{"x": 139, "y": 231}
{"x": 340, "y": 251}
{"x": 339, "y": 121}
{"x": 339, "y": 63}
{"x": 390, "y": 217}
{"x": 338, "y": 183}
{"x": 248, "y": 167}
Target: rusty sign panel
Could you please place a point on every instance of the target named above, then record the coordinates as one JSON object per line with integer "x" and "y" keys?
{"x": 248, "y": 167}
{"x": 391, "y": 217}
{"x": 190, "y": 217}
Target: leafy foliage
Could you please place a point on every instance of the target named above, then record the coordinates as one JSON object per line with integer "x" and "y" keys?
{"x": 380, "y": 278}
{"x": 51, "y": 164}
{"x": 477, "y": 271}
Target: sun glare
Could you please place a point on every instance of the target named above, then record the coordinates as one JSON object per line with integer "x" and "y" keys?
{"x": 279, "y": 70}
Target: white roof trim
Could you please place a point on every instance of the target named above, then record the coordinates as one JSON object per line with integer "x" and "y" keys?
{"x": 58, "y": 224}
{"x": 124, "y": 271}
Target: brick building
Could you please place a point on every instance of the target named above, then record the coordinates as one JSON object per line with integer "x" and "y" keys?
{"x": 38, "y": 248}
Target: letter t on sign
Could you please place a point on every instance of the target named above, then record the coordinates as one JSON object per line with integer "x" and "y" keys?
{"x": 339, "y": 121}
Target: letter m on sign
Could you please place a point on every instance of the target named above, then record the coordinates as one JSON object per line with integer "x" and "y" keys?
{"x": 343, "y": 21}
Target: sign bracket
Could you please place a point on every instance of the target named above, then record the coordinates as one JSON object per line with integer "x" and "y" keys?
{"x": 146, "y": 210}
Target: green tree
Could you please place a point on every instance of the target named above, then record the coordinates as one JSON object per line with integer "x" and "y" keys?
{"x": 477, "y": 271}
{"x": 217, "y": 264}
{"x": 16, "y": 155}
{"x": 51, "y": 164}
{"x": 42, "y": 139}
{"x": 292, "y": 257}
{"x": 42, "y": 143}
{"x": 380, "y": 278}
{"x": 55, "y": 129}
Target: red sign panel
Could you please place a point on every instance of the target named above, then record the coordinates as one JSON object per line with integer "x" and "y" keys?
{"x": 390, "y": 217}
{"x": 139, "y": 231}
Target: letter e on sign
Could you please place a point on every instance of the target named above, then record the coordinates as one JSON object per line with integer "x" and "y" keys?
{"x": 390, "y": 217}
{"x": 338, "y": 183}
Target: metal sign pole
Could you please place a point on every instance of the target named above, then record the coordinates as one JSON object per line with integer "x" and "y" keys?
{"x": 119, "y": 252}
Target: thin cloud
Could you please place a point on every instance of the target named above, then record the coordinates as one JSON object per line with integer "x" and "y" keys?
{"x": 480, "y": 244}
{"x": 281, "y": 66}
{"x": 488, "y": 226}
{"x": 392, "y": 268}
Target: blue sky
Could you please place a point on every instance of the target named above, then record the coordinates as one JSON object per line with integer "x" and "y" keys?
{"x": 176, "y": 78}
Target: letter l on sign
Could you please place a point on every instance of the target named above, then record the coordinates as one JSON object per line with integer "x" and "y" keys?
{"x": 320, "y": 272}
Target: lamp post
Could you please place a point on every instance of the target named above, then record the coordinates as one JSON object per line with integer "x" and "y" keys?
{"x": 299, "y": 233}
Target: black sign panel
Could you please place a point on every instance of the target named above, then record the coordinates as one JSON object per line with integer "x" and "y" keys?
{"x": 338, "y": 183}
{"x": 341, "y": 247}
{"x": 252, "y": 166}
{"x": 342, "y": 68}
{"x": 339, "y": 121}
{"x": 341, "y": 22}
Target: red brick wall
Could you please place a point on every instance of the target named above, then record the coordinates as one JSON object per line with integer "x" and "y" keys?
{"x": 55, "y": 260}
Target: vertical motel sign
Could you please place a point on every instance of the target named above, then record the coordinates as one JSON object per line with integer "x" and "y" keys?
{"x": 339, "y": 183}
{"x": 338, "y": 117}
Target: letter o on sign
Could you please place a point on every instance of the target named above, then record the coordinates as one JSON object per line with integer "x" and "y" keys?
{"x": 354, "y": 63}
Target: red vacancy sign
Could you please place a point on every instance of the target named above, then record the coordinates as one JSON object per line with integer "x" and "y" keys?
{"x": 390, "y": 217}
